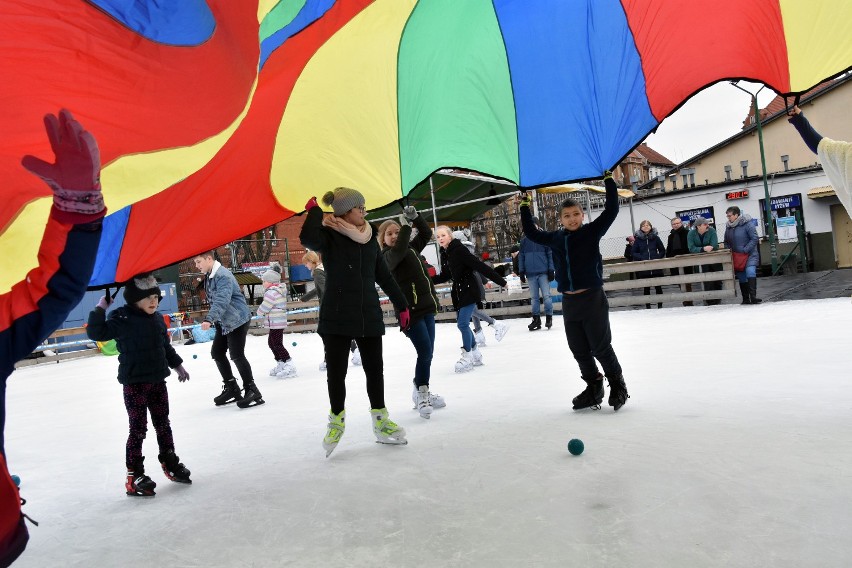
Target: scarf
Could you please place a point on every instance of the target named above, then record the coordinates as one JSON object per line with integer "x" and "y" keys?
{"x": 361, "y": 236}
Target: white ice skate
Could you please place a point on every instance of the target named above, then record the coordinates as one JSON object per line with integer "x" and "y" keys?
{"x": 479, "y": 336}
{"x": 423, "y": 402}
{"x": 336, "y": 427}
{"x": 288, "y": 370}
{"x": 477, "y": 356}
{"x": 385, "y": 429}
{"x": 436, "y": 400}
{"x": 356, "y": 357}
{"x": 465, "y": 362}
{"x": 322, "y": 365}
{"x": 500, "y": 330}
{"x": 276, "y": 369}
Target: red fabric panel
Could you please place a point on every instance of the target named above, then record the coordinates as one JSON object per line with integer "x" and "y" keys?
{"x": 686, "y": 46}
{"x": 132, "y": 94}
{"x": 231, "y": 196}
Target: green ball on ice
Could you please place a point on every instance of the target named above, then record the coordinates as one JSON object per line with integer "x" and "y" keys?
{"x": 576, "y": 447}
{"x": 16, "y": 480}
{"x": 294, "y": 344}
{"x": 195, "y": 356}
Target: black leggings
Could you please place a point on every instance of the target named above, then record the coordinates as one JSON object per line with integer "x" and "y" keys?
{"x": 337, "y": 363}
{"x": 586, "y": 319}
{"x": 235, "y": 343}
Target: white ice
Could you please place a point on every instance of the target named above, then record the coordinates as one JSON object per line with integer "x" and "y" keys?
{"x": 733, "y": 450}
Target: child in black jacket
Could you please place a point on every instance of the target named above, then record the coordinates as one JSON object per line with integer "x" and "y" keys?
{"x": 143, "y": 365}
{"x": 585, "y": 310}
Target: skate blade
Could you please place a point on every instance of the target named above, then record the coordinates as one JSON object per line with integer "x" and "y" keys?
{"x": 391, "y": 442}
{"x": 227, "y": 403}
{"x": 257, "y": 402}
{"x": 141, "y": 494}
{"x": 176, "y": 480}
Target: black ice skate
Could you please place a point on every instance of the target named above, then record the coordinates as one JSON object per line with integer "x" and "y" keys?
{"x": 592, "y": 396}
{"x": 251, "y": 396}
{"x": 230, "y": 393}
{"x": 617, "y": 392}
{"x": 138, "y": 484}
{"x": 548, "y": 321}
{"x": 174, "y": 470}
{"x": 535, "y": 323}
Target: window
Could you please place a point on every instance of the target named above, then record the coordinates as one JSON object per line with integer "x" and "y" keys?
{"x": 727, "y": 173}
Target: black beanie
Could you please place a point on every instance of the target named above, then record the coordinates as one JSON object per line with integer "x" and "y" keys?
{"x": 141, "y": 286}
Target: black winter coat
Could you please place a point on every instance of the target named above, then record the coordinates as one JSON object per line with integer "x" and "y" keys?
{"x": 648, "y": 247}
{"x": 678, "y": 242}
{"x": 145, "y": 353}
{"x": 409, "y": 271}
{"x": 350, "y": 304}
{"x": 460, "y": 265}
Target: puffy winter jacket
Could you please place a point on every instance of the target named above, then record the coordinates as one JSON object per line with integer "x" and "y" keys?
{"x": 741, "y": 236}
{"x": 648, "y": 246}
{"x": 274, "y": 307}
{"x": 534, "y": 259}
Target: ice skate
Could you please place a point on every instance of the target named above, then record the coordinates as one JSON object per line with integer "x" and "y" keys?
{"x": 174, "y": 470}
{"x": 479, "y": 336}
{"x": 423, "y": 402}
{"x": 322, "y": 365}
{"x": 548, "y": 321}
{"x": 276, "y": 369}
{"x": 138, "y": 484}
{"x": 336, "y": 426}
{"x": 477, "y": 356}
{"x": 288, "y": 370}
{"x": 500, "y": 330}
{"x": 230, "y": 393}
{"x": 251, "y": 396}
{"x": 592, "y": 396}
{"x": 385, "y": 429}
{"x": 535, "y": 324}
{"x": 436, "y": 400}
{"x": 356, "y": 357}
{"x": 617, "y": 392}
{"x": 465, "y": 362}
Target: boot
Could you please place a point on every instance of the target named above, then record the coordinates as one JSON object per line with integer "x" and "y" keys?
{"x": 336, "y": 427}
{"x": 138, "y": 484}
{"x": 476, "y": 356}
{"x": 251, "y": 395}
{"x": 173, "y": 469}
{"x": 592, "y": 396}
{"x": 230, "y": 393}
{"x": 617, "y": 392}
{"x": 386, "y": 430}
{"x": 423, "y": 401}
{"x": 465, "y": 362}
{"x": 535, "y": 323}
{"x": 752, "y": 288}
{"x": 745, "y": 293}
{"x": 548, "y": 321}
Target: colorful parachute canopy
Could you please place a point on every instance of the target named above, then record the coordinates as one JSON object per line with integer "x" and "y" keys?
{"x": 218, "y": 117}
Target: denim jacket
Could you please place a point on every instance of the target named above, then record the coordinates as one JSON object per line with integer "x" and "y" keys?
{"x": 228, "y": 306}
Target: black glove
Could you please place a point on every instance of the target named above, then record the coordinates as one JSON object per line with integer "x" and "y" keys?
{"x": 523, "y": 276}
{"x": 551, "y": 276}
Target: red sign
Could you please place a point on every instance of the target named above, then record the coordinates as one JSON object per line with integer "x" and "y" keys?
{"x": 741, "y": 194}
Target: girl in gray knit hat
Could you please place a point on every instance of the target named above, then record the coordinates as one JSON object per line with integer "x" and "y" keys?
{"x": 274, "y": 310}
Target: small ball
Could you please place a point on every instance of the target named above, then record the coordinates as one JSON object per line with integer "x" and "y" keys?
{"x": 195, "y": 356}
{"x": 16, "y": 480}
{"x": 576, "y": 447}
{"x": 294, "y": 344}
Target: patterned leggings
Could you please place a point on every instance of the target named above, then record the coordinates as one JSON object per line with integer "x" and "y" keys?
{"x": 276, "y": 345}
{"x": 140, "y": 398}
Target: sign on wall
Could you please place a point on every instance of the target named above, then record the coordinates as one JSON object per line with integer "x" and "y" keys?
{"x": 688, "y": 215}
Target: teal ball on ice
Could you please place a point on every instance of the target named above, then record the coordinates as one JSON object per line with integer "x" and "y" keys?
{"x": 16, "y": 480}
{"x": 576, "y": 447}
{"x": 294, "y": 344}
{"x": 195, "y": 356}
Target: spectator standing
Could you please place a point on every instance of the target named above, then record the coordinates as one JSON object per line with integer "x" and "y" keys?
{"x": 677, "y": 246}
{"x": 648, "y": 246}
{"x": 535, "y": 262}
{"x": 703, "y": 239}
{"x": 741, "y": 237}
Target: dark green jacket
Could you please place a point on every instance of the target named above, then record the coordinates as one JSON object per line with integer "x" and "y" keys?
{"x": 145, "y": 353}
{"x": 350, "y": 304}
{"x": 404, "y": 262}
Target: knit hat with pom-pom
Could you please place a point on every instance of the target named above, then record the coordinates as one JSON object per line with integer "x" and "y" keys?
{"x": 273, "y": 275}
{"x": 343, "y": 200}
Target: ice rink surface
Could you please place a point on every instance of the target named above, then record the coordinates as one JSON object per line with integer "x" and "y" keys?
{"x": 735, "y": 449}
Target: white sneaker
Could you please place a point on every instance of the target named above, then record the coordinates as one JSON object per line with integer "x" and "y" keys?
{"x": 479, "y": 336}
{"x": 500, "y": 330}
{"x": 322, "y": 365}
{"x": 386, "y": 430}
{"x": 465, "y": 362}
{"x": 288, "y": 370}
{"x": 477, "y": 356}
{"x": 356, "y": 357}
{"x": 276, "y": 369}
{"x": 423, "y": 402}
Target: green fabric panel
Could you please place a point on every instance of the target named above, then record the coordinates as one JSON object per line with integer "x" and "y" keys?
{"x": 455, "y": 98}
{"x": 281, "y": 15}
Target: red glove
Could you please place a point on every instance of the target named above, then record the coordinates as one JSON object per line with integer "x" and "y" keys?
{"x": 75, "y": 177}
{"x": 404, "y": 320}
{"x": 312, "y": 202}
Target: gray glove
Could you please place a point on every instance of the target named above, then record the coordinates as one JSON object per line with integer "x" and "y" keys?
{"x": 403, "y": 221}
{"x": 182, "y": 374}
{"x": 409, "y": 212}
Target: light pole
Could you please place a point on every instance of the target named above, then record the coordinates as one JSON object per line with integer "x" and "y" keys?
{"x": 770, "y": 228}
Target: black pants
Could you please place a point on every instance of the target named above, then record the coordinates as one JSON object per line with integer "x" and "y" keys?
{"x": 586, "y": 319}
{"x": 235, "y": 344}
{"x": 337, "y": 363}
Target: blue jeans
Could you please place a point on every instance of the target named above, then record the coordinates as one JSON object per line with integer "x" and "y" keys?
{"x": 749, "y": 272}
{"x": 463, "y": 323}
{"x": 540, "y": 282}
{"x": 422, "y": 336}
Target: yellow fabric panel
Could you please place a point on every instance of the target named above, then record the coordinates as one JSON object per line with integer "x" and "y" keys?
{"x": 819, "y": 44}
{"x": 136, "y": 177}
{"x": 264, "y": 7}
{"x": 18, "y": 237}
{"x": 340, "y": 125}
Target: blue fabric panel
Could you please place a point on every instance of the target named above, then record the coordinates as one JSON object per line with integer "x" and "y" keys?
{"x": 112, "y": 239}
{"x": 177, "y": 22}
{"x": 312, "y": 11}
{"x": 573, "y": 63}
